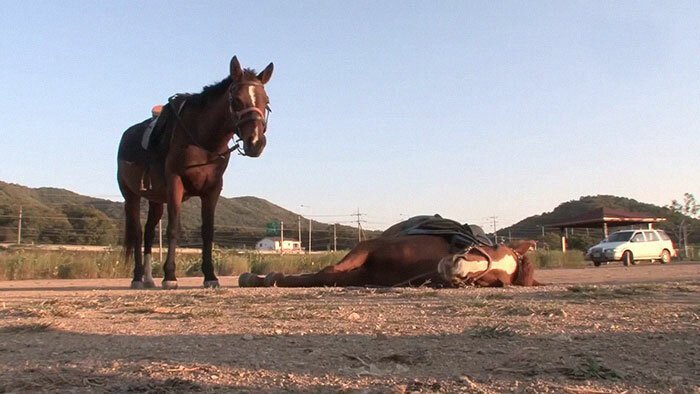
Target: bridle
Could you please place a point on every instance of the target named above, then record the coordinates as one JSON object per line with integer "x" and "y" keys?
{"x": 237, "y": 117}
{"x": 468, "y": 281}
{"x": 459, "y": 282}
{"x": 240, "y": 118}
{"x": 471, "y": 281}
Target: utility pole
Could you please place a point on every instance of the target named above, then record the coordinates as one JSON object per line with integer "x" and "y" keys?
{"x": 495, "y": 235}
{"x": 359, "y": 226}
{"x": 335, "y": 240}
{"x": 309, "y": 209}
{"x": 299, "y": 227}
{"x": 281, "y": 236}
{"x": 19, "y": 227}
{"x": 309, "y": 235}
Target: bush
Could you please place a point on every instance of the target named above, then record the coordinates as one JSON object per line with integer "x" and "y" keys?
{"x": 558, "y": 259}
{"x": 18, "y": 264}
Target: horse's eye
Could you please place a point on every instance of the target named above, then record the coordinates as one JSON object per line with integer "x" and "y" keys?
{"x": 237, "y": 102}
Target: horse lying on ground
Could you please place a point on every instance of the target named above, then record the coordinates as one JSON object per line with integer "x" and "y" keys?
{"x": 416, "y": 256}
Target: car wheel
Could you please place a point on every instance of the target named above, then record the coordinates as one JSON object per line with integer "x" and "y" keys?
{"x": 627, "y": 258}
{"x": 597, "y": 263}
{"x": 665, "y": 257}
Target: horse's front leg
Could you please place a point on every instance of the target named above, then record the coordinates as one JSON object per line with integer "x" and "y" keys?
{"x": 208, "y": 208}
{"x": 155, "y": 212}
{"x": 175, "y": 195}
{"x": 358, "y": 277}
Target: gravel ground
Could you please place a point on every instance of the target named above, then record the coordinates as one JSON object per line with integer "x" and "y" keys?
{"x": 594, "y": 330}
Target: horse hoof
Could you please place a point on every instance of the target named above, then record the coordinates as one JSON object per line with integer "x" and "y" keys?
{"x": 136, "y": 284}
{"x": 149, "y": 284}
{"x": 273, "y": 278}
{"x": 211, "y": 284}
{"x": 243, "y": 279}
{"x": 169, "y": 284}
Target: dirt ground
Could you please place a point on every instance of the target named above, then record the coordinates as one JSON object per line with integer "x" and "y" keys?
{"x": 592, "y": 330}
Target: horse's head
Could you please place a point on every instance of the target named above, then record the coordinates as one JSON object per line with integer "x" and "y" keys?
{"x": 476, "y": 262}
{"x": 249, "y": 106}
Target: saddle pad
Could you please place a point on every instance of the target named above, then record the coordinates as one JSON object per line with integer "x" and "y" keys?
{"x": 460, "y": 235}
{"x": 147, "y": 133}
{"x": 155, "y": 128}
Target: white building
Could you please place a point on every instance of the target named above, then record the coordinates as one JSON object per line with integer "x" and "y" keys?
{"x": 277, "y": 244}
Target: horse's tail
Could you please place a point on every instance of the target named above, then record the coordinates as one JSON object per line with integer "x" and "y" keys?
{"x": 131, "y": 202}
{"x": 128, "y": 244}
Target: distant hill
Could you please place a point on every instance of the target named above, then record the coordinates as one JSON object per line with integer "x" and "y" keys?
{"x": 532, "y": 227}
{"x": 51, "y": 215}
{"x": 59, "y": 216}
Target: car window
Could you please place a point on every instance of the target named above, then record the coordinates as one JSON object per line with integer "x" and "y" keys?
{"x": 664, "y": 236}
{"x": 638, "y": 237}
{"x": 651, "y": 236}
{"x": 622, "y": 236}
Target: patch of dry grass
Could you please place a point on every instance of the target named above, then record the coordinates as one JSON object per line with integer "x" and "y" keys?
{"x": 490, "y": 331}
{"x": 25, "y": 328}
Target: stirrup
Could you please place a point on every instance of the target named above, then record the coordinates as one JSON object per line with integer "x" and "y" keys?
{"x": 146, "y": 184}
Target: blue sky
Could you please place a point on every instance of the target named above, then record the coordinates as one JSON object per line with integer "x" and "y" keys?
{"x": 467, "y": 109}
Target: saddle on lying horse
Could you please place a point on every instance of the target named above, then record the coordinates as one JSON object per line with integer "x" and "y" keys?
{"x": 458, "y": 235}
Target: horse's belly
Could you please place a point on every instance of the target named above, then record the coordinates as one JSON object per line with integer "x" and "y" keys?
{"x": 152, "y": 187}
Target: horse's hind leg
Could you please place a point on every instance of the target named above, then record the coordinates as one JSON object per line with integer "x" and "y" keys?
{"x": 133, "y": 235}
{"x": 355, "y": 259}
{"x": 155, "y": 212}
{"x": 175, "y": 194}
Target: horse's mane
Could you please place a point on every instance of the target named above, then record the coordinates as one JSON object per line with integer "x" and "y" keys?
{"x": 214, "y": 91}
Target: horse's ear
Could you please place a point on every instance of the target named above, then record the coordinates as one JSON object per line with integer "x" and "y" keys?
{"x": 524, "y": 247}
{"x": 526, "y": 273}
{"x": 266, "y": 74}
{"x": 236, "y": 71}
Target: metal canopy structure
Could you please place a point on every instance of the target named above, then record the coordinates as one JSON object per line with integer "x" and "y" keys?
{"x": 604, "y": 218}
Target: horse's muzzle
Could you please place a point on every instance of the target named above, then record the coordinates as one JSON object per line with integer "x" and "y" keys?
{"x": 254, "y": 146}
{"x": 446, "y": 268}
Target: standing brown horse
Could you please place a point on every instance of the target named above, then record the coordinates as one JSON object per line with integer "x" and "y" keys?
{"x": 189, "y": 159}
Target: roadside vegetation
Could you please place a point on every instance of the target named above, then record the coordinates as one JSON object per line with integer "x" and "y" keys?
{"x": 21, "y": 263}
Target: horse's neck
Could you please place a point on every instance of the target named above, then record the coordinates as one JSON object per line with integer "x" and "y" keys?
{"x": 213, "y": 126}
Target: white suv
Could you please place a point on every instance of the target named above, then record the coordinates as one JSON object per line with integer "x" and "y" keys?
{"x": 629, "y": 246}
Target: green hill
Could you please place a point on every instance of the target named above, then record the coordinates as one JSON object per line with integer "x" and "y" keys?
{"x": 51, "y": 215}
{"x": 58, "y": 216}
{"x": 533, "y": 227}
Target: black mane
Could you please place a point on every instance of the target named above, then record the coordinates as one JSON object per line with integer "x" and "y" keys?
{"x": 212, "y": 92}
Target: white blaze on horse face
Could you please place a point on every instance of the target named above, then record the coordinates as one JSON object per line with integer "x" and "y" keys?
{"x": 462, "y": 267}
{"x": 253, "y": 98}
{"x": 255, "y": 138}
{"x": 251, "y": 92}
